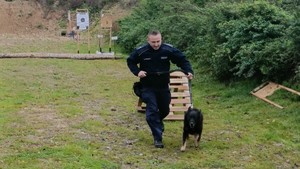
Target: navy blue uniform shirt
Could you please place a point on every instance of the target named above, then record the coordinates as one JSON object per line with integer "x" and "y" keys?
{"x": 156, "y": 61}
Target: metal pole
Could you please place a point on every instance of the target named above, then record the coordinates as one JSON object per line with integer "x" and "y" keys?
{"x": 109, "y": 40}
{"x": 89, "y": 40}
{"x": 115, "y": 49}
{"x": 99, "y": 45}
{"x": 78, "y": 36}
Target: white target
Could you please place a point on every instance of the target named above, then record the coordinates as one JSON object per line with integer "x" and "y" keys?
{"x": 82, "y": 19}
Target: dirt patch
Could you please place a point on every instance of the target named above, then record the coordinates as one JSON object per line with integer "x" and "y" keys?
{"x": 27, "y": 17}
{"x": 44, "y": 122}
{"x": 42, "y": 126}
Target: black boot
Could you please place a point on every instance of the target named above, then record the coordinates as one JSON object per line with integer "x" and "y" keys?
{"x": 158, "y": 144}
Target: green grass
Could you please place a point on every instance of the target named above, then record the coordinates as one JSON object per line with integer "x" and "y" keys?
{"x": 56, "y": 45}
{"x": 58, "y": 113}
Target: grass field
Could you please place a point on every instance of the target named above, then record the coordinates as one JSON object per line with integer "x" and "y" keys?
{"x": 57, "y": 113}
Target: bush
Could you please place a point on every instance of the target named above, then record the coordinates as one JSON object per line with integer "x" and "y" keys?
{"x": 177, "y": 21}
{"x": 252, "y": 42}
{"x": 294, "y": 33}
{"x": 256, "y": 40}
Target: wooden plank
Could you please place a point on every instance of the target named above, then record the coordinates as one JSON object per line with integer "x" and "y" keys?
{"x": 290, "y": 90}
{"x": 178, "y": 109}
{"x": 182, "y": 94}
{"x": 59, "y": 56}
{"x": 175, "y": 117}
{"x": 172, "y": 108}
{"x": 181, "y": 100}
{"x": 179, "y": 87}
{"x": 269, "y": 101}
{"x": 180, "y": 81}
{"x": 171, "y": 114}
{"x": 177, "y": 74}
{"x": 266, "y": 90}
{"x": 141, "y": 109}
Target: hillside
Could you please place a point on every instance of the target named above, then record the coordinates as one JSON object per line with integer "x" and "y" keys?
{"x": 27, "y": 18}
{"x": 20, "y": 17}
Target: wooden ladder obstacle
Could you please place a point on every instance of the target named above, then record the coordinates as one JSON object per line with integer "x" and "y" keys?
{"x": 180, "y": 96}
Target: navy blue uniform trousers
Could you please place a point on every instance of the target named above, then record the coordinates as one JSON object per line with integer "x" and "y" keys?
{"x": 157, "y": 108}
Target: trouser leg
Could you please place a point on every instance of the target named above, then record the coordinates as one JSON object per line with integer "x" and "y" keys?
{"x": 163, "y": 103}
{"x": 153, "y": 116}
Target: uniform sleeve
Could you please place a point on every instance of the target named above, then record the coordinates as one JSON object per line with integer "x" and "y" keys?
{"x": 132, "y": 63}
{"x": 181, "y": 61}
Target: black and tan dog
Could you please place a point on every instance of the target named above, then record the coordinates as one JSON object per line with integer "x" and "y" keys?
{"x": 193, "y": 124}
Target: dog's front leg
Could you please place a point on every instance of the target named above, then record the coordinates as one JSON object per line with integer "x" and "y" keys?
{"x": 197, "y": 139}
{"x": 184, "y": 138}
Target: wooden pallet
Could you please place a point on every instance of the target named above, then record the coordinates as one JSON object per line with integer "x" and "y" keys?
{"x": 180, "y": 96}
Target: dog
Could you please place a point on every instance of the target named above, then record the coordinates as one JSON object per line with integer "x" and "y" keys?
{"x": 193, "y": 124}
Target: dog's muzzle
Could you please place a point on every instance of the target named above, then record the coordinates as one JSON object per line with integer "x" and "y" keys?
{"x": 192, "y": 124}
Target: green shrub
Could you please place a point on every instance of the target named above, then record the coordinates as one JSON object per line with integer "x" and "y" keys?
{"x": 177, "y": 21}
{"x": 252, "y": 42}
{"x": 245, "y": 40}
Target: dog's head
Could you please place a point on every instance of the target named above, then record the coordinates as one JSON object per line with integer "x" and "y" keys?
{"x": 193, "y": 116}
{"x": 192, "y": 123}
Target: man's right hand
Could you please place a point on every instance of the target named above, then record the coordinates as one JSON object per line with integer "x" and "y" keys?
{"x": 190, "y": 76}
{"x": 142, "y": 74}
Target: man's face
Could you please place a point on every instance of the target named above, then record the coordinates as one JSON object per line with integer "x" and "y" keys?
{"x": 154, "y": 41}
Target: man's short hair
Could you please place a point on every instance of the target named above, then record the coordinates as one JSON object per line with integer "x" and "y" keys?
{"x": 153, "y": 32}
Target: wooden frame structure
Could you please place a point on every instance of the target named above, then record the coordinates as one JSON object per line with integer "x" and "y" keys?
{"x": 84, "y": 11}
{"x": 267, "y": 89}
{"x": 106, "y": 23}
{"x": 73, "y": 28}
{"x": 180, "y": 96}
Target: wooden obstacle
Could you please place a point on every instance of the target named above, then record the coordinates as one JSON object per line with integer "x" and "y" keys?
{"x": 267, "y": 89}
{"x": 180, "y": 96}
{"x": 59, "y": 56}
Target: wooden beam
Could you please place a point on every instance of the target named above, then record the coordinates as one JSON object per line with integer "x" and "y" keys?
{"x": 58, "y": 56}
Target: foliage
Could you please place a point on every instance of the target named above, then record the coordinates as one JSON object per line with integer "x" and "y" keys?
{"x": 254, "y": 42}
{"x": 176, "y": 20}
{"x": 237, "y": 41}
{"x": 289, "y": 5}
{"x": 294, "y": 33}
{"x": 94, "y": 6}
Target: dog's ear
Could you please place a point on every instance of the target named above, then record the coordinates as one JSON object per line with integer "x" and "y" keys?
{"x": 190, "y": 108}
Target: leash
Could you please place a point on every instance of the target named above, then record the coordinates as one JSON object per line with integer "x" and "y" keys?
{"x": 190, "y": 90}
{"x": 166, "y": 72}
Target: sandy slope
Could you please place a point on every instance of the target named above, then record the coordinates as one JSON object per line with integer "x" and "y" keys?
{"x": 26, "y": 17}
